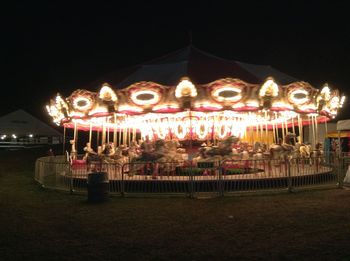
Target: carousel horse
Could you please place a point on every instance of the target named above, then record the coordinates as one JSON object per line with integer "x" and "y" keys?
{"x": 109, "y": 150}
{"x": 284, "y": 150}
{"x": 107, "y": 153}
{"x": 217, "y": 153}
{"x": 90, "y": 154}
{"x": 224, "y": 147}
{"x": 234, "y": 151}
{"x": 245, "y": 155}
{"x": 119, "y": 156}
{"x": 73, "y": 153}
{"x": 172, "y": 157}
{"x": 201, "y": 155}
{"x": 150, "y": 152}
{"x": 174, "y": 154}
{"x": 147, "y": 145}
{"x": 134, "y": 150}
{"x": 155, "y": 153}
{"x": 257, "y": 146}
{"x": 317, "y": 153}
{"x": 303, "y": 152}
{"x": 258, "y": 155}
{"x": 318, "y": 149}
{"x": 99, "y": 150}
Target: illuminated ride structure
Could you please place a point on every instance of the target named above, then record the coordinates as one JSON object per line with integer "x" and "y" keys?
{"x": 266, "y": 121}
{"x": 211, "y": 112}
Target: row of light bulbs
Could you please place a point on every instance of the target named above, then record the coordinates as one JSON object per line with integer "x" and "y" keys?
{"x": 14, "y": 136}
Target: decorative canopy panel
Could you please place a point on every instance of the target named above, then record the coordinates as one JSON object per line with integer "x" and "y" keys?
{"x": 223, "y": 107}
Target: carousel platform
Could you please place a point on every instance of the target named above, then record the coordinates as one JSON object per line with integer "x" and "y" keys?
{"x": 208, "y": 180}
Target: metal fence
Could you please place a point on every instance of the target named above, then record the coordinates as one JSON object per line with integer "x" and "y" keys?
{"x": 193, "y": 180}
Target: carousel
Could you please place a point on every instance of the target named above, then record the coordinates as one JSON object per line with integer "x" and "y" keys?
{"x": 196, "y": 126}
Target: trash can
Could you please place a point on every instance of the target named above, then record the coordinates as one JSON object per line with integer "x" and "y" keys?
{"x": 98, "y": 187}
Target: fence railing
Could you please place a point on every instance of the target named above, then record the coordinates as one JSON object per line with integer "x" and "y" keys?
{"x": 191, "y": 179}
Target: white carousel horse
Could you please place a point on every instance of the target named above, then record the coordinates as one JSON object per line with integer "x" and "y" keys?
{"x": 133, "y": 150}
{"x": 284, "y": 150}
{"x": 303, "y": 152}
{"x": 73, "y": 152}
{"x": 258, "y": 155}
{"x": 88, "y": 151}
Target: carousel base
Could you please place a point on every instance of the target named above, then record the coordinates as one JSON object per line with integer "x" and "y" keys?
{"x": 211, "y": 182}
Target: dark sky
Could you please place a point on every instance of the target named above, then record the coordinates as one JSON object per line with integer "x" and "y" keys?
{"x": 50, "y": 47}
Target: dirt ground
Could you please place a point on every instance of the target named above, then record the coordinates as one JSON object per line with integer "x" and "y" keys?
{"x": 39, "y": 224}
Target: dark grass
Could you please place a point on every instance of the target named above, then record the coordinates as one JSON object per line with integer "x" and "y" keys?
{"x": 39, "y": 224}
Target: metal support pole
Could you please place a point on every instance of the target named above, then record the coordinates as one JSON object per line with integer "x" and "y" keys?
{"x": 221, "y": 181}
{"x": 122, "y": 188}
{"x": 340, "y": 163}
{"x": 191, "y": 187}
{"x": 64, "y": 140}
{"x": 290, "y": 189}
{"x": 71, "y": 179}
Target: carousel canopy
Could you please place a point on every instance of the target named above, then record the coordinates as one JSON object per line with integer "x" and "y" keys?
{"x": 201, "y": 67}
{"x": 192, "y": 94}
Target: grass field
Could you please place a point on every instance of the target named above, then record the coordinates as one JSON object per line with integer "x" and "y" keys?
{"x": 38, "y": 224}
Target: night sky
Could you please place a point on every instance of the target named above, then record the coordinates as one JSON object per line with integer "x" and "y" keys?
{"x": 59, "y": 47}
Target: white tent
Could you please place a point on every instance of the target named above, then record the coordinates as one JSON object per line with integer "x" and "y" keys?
{"x": 19, "y": 124}
{"x": 343, "y": 125}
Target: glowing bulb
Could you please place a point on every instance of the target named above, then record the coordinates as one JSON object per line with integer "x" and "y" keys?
{"x": 202, "y": 129}
{"x": 106, "y": 93}
{"x": 185, "y": 89}
{"x": 180, "y": 129}
{"x": 342, "y": 100}
{"x": 269, "y": 88}
{"x": 14, "y": 136}
{"x": 326, "y": 92}
{"x": 222, "y": 129}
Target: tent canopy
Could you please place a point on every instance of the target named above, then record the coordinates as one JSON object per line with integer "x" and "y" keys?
{"x": 22, "y": 123}
{"x": 343, "y": 125}
{"x": 201, "y": 67}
